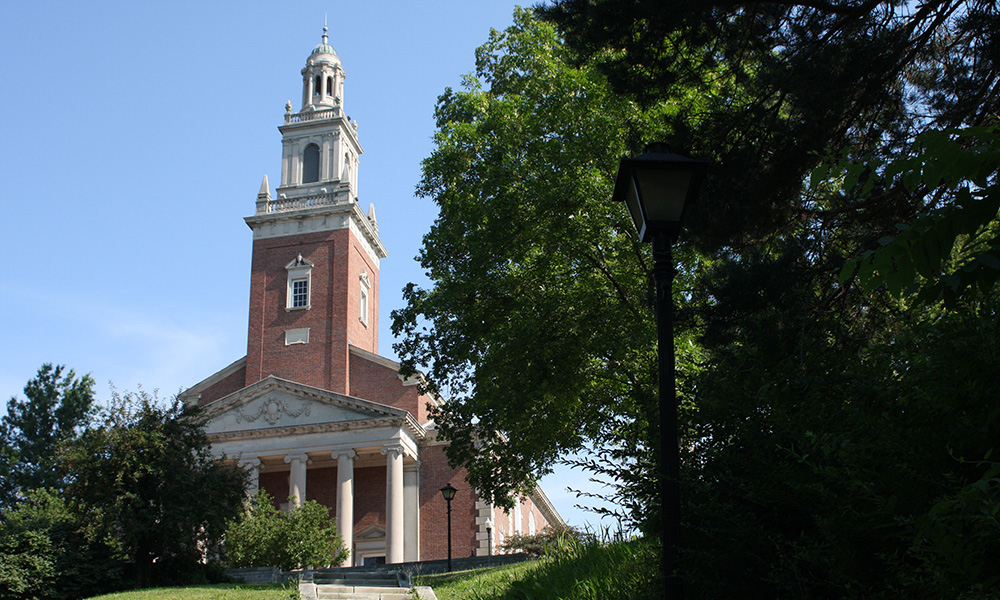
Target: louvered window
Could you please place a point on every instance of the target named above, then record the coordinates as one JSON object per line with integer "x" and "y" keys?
{"x": 310, "y": 164}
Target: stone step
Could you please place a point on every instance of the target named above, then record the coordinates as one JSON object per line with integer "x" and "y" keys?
{"x": 354, "y": 581}
{"x": 337, "y": 588}
{"x": 400, "y": 595}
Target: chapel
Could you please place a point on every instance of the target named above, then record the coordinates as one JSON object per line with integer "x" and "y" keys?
{"x": 312, "y": 411}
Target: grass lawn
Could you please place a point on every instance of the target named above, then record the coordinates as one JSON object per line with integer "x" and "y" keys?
{"x": 222, "y": 591}
{"x": 476, "y": 583}
{"x": 590, "y": 571}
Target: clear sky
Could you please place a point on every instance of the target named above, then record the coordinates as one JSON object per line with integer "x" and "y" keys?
{"x": 133, "y": 141}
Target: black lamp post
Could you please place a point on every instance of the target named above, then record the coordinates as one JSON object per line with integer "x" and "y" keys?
{"x": 449, "y": 494}
{"x": 656, "y": 187}
{"x": 489, "y": 537}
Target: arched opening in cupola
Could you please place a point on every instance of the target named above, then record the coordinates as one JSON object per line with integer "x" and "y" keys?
{"x": 310, "y": 164}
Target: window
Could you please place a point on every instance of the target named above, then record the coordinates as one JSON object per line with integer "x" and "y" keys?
{"x": 329, "y": 86}
{"x": 317, "y": 90}
{"x": 299, "y": 284}
{"x": 310, "y": 164}
{"x": 363, "y": 303}
{"x": 300, "y": 293}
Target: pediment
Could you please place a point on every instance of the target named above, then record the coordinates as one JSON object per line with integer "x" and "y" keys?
{"x": 274, "y": 402}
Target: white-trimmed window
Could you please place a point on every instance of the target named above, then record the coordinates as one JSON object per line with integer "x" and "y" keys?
{"x": 366, "y": 286}
{"x": 299, "y": 287}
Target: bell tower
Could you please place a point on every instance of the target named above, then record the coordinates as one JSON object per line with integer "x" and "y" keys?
{"x": 314, "y": 273}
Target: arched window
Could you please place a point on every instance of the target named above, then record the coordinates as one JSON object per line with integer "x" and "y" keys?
{"x": 329, "y": 86}
{"x": 319, "y": 81}
{"x": 310, "y": 164}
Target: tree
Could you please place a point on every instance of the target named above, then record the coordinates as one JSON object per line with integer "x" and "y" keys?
{"x": 144, "y": 482}
{"x": 44, "y": 555}
{"x": 538, "y": 330}
{"x": 57, "y": 407}
{"x": 263, "y": 536}
{"x": 836, "y": 438}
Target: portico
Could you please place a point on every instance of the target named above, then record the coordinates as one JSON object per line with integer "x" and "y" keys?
{"x": 281, "y": 431}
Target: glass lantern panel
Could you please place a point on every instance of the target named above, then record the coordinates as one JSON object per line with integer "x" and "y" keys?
{"x": 663, "y": 193}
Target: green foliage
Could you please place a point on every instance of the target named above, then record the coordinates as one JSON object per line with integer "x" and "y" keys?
{"x": 43, "y": 554}
{"x": 849, "y": 473}
{"x": 954, "y": 247}
{"x": 144, "y": 483}
{"x": 538, "y": 329}
{"x": 263, "y": 536}
{"x": 57, "y": 407}
{"x": 547, "y": 541}
{"x": 822, "y": 421}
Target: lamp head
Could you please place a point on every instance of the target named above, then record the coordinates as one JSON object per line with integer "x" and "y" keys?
{"x": 448, "y": 492}
{"x": 656, "y": 187}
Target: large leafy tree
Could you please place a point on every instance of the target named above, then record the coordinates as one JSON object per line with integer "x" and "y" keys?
{"x": 145, "y": 483}
{"x": 538, "y": 327}
{"x": 839, "y": 440}
{"x": 57, "y": 406}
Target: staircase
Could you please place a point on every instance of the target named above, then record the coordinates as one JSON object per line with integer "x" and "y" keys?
{"x": 354, "y": 585}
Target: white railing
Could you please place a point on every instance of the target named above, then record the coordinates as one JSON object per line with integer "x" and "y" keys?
{"x": 298, "y": 203}
{"x": 317, "y": 115}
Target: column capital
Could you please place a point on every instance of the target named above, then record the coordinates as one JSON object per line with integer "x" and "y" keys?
{"x": 397, "y": 449}
{"x": 349, "y": 453}
{"x": 299, "y": 457}
{"x": 250, "y": 462}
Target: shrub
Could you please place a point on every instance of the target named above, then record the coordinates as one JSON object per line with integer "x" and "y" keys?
{"x": 544, "y": 542}
{"x": 263, "y": 536}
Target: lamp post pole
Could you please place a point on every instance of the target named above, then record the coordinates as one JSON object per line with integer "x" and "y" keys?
{"x": 663, "y": 276}
{"x": 449, "y": 494}
{"x": 656, "y": 187}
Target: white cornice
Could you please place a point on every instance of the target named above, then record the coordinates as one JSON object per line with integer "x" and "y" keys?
{"x": 319, "y": 218}
{"x": 545, "y": 505}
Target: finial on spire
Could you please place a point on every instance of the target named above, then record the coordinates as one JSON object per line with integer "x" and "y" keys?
{"x": 324, "y": 28}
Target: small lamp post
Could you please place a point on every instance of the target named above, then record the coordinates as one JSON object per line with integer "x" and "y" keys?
{"x": 449, "y": 494}
{"x": 656, "y": 187}
{"x": 489, "y": 537}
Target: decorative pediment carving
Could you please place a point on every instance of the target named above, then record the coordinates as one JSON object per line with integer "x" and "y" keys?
{"x": 271, "y": 411}
{"x": 274, "y": 403}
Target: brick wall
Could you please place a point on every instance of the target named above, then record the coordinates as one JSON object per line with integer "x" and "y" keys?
{"x": 229, "y": 384}
{"x": 434, "y": 474}
{"x": 333, "y": 316}
{"x": 379, "y": 383}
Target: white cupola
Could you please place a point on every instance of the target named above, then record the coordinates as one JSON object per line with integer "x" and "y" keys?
{"x": 320, "y": 150}
{"x": 322, "y": 78}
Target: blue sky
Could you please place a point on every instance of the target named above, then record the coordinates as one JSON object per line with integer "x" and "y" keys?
{"x": 133, "y": 142}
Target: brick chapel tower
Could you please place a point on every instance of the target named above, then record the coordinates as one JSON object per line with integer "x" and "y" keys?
{"x": 315, "y": 264}
{"x": 312, "y": 412}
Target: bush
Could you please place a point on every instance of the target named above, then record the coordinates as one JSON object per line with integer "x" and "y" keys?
{"x": 44, "y": 554}
{"x": 263, "y": 536}
{"x": 544, "y": 542}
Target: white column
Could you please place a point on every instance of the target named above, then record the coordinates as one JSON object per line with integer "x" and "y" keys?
{"x": 345, "y": 500}
{"x": 393, "y": 504}
{"x": 252, "y": 467}
{"x": 411, "y": 512}
{"x": 297, "y": 478}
